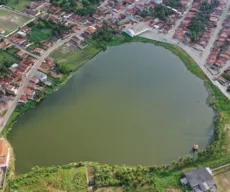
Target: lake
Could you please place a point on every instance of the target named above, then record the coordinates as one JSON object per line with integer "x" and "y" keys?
{"x": 132, "y": 104}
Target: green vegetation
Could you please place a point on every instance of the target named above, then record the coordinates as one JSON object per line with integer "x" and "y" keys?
{"x": 158, "y": 11}
{"x": 226, "y": 75}
{"x": 103, "y": 36}
{"x": 197, "y": 25}
{"x": 176, "y": 4}
{"x": 65, "y": 178}
{"x": 130, "y": 178}
{"x": 199, "y": 22}
{"x": 45, "y": 30}
{"x": 208, "y": 7}
{"x": 71, "y": 60}
{"x": 20, "y": 109}
{"x": 83, "y": 8}
{"x": 7, "y": 58}
{"x": 17, "y": 4}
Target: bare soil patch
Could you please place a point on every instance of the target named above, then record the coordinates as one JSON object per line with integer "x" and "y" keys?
{"x": 227, "y": 130}
{"x": 10, "y": 21}
{"x": 173, "y": 190}
{"x": 110, "y": 189}
{"x": 223, "y": 181}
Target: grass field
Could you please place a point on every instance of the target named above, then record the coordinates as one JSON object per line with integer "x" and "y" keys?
{"x": 73, "y": 57}
{"x": 10, "y": 21}
{"x": 18, "y": 4}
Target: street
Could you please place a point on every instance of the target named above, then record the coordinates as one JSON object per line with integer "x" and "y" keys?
{"x": 26, "y": 80}
{"x": 199, "y": 59}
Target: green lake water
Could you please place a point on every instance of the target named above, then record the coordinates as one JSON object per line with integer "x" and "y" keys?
{"x": 132, "y": 104}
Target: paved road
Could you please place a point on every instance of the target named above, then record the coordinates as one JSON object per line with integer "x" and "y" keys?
{"x": 173, "y": 30}
{"x": 199, "y": 59}
{"x": 27, "y": 52}
{"x": 26, "y": 80}
{"x": 215, "y": 33}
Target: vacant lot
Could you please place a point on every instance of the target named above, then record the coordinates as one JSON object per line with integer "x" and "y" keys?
{"x": 223, "y": 180}
{"x": 10, "y": 21}
{"x": 7, "y": 58}
{"x": 69, "y": 55}
{"x": 51, "y": 180}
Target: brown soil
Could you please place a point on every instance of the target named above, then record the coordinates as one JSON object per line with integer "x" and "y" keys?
{"x": 223, "y": 181}
{"x": 173, "y": 190}
{"x": 110, "y": 189}
{"x": 227, "y": 130}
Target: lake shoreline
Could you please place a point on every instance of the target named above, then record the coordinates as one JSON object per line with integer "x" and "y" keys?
{"x": 212, "y": 100}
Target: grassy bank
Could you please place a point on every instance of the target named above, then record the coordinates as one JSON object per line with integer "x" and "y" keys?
{"x": 20, "y": 109}
{"x": 65, "y": 178}
{"x": 135, "y": 178}
{"x": 74, "y": 58}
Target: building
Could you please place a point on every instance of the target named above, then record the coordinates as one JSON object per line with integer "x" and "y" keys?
{"x": 137, "y": 29}
{"x": 13, "y": 67}
{"x": 41, "y": 76}
{"x": 22, "y": 34}
{"x": 29, "y": 92}
{"x": 34, "y": 80}
{"x": 4, "y": 154}
{"x": 4, "y": 161}
{"x": 200, "y": 180}
{"x": 38, "y": 51}
{"x": 11, "y": 89}
{"x": 2, "y": 31}
{"x": 158, "y": 1}
{"x": 23, "y": 99}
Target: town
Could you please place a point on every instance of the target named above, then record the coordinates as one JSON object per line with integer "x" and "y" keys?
{"x": 30, "y": 37}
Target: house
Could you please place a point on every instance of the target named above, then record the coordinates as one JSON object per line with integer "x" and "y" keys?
{"x": 21, "y": 54}
{"x": 4, "y": 154}
{"x": 2, "y": 31}
{"x": 48, "y": 82}
{"x": 11, "y": 89}
{"x": 29, "y": 92}
{"x": 5, "y": 44}
{"x": 91, "y": 29}
{"x": 38, "y": 51}
{"x": 78, "y": 41}
{"x": 4, "y": 161}
{"x": 200, "y": 180}
{"x": 22, "y": 34}
{"x": 13, "y": 67}
{"x": 222, "y": 80}
{"x": 41, "y": 76}
{"x": 23, "y": 99}
{"x": 34, "y": 80}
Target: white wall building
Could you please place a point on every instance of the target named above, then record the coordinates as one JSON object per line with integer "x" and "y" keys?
{"x": 158, "y": 1}
{"x": 137, "y": 29}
